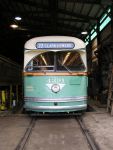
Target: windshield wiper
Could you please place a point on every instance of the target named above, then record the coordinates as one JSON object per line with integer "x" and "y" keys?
{"x": 65, "y": 67}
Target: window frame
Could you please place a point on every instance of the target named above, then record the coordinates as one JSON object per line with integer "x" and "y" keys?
{"x": 55, "y": 64}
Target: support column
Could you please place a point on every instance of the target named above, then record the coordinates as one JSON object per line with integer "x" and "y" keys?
{"x": 110, "y": 89}
{"x": 11, "y": 87}
{"x": 17, "y": 93}
{"x": 99, "y": 55}
{"x": 89, "y": 59}
{"x": 90, "y": 53}
{"x": 112, "y": 49}
{"x": 112, "y": 25}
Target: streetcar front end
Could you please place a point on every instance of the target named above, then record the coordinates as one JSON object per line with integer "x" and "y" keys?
{"x": 55, "y": 80}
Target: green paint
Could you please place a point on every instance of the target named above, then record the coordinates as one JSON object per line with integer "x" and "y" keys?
{"x": 40, "y": 86}
{"x": 36, "y": 86}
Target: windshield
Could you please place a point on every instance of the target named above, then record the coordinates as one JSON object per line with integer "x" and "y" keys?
{"x": 56, "y": 61}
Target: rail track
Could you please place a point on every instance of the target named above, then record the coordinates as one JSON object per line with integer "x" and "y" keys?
{"x": 90, "y": 140}
{"x": 21, "y": 145}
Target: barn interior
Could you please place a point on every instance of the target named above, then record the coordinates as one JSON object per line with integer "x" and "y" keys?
{"x": 89, "y": 20}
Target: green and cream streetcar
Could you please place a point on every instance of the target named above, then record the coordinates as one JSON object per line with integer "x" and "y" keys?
{"x": 55, "y": 74}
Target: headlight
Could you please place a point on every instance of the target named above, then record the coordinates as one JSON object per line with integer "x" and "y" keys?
{"x": 55, "y": 88}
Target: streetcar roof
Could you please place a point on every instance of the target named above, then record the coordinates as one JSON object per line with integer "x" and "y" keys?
{"x": 54, "y": 43}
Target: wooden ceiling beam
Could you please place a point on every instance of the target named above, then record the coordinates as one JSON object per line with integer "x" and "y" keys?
{"x": 30, "y": 3}
{"x": 73, "y": 20}
{"x": 69, "y": 27}
{"x": 98, "y": 2}
{"x": 73, "y": 14}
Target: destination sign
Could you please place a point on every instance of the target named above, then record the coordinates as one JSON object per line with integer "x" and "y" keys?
{"x": 55, "y": 45}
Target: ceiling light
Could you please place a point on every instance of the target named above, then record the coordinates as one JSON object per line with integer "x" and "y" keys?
{"x": 84, "y": 32}
{"x": 14, "y": 26}
{"x": 18, "y": 18}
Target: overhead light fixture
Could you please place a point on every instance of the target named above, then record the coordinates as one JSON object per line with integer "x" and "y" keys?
{"x": 18, "y": 18}
{"x": 84, "y": 32}
{"x": 14, "y": 26}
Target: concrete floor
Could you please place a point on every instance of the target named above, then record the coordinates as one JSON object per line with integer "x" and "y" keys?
{"x": 100, "y": 125}
{"x": 11, "y": 131}
{"x": 48, "y": 133}
{"x": 57, "y": 133}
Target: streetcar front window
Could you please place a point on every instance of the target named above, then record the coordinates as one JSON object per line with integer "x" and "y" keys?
{"x": 42, "y": 62}
{"x": 56, "y": 61}
{"x": 69, "y": 61}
